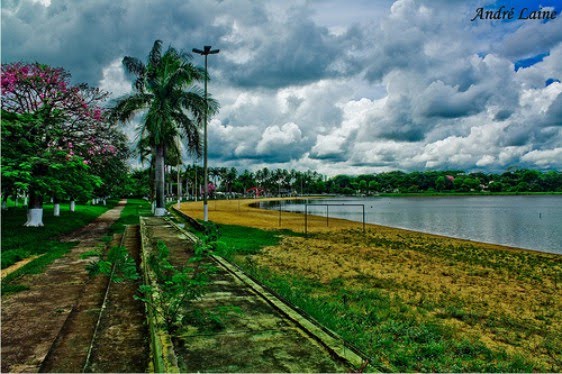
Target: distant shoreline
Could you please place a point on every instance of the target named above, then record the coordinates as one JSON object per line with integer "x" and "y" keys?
{"x": 248, "y": 214}
{"x": 452, "y": 194}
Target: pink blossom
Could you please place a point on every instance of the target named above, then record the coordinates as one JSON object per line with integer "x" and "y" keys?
{"x": 97, "y": 114}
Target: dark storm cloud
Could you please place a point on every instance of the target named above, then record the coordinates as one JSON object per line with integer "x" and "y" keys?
{"x": 531, "y": 39}
{"x": 554, "y": 112}
{"x": 83, "y": 37}
{"x": 516, "y": 134}
{"x": 295, "y": 55}
{"x": 328, "y": 84}
{"x": 86, "y": 36}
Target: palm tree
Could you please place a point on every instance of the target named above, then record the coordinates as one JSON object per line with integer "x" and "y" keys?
{"x": 172, "y": 106}
{"x": 215, "y": 174}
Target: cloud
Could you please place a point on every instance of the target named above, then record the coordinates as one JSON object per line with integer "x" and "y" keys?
{"x": 340, "y": 87}
{"x": 532, "y": 38}
{"x": 554, "y": 112}
{"x": 547, "y": 158}
{"x": 280, "y": 142}
{"x": 114, "y": 80}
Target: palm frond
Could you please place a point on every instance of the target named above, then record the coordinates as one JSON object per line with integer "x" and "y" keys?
{"x": 134, "y": 66}
{"x": 155, "y": 54}
{"x": 190, "y": 132}
{"x": 126, "y": 108}
{"x": 194, "y": 101}
{"x": 144, "y": 149}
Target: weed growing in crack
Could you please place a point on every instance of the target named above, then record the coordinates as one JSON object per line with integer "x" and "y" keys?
{"x": 118, "y": 264}
{"x": 177, "y": 286}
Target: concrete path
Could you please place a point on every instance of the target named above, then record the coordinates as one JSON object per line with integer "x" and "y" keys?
{"x": 259, "y": 332}
{"x": 32, "y": 319}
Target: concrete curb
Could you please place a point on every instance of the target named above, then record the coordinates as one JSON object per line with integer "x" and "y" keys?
{"x": 162, "y": 353}
{"x": 330, "y": 340}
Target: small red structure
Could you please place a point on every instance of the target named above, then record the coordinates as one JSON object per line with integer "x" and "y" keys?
{"x": 256, "y": 190}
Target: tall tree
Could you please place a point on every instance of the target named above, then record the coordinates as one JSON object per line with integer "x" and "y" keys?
{"x": 173, "y": 106}
{"x": 53, "y": 124}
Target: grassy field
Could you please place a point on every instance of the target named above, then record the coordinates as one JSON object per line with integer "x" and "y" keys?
{"x": 40, "y": 244}
{"x": 19, "y": 242}
{"x": 410, "y": 301}
{"x": 130, "y": 214}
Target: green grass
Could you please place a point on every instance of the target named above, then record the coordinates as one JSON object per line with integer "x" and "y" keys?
{"x": 389, "y": 331}
{"x": 19, "y": 242}
{"x": 240, "y": 240}
{"x": 130, "y": 214}
{"x": 397, "y": 335}
{"x": 37, "y": 266}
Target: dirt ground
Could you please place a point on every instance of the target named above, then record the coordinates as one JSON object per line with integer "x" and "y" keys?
{"x": 32, "y": 319}
{"x": 16, "y": 266}
{"x": 121, "y": 344}
{"x": 514, "y": 293}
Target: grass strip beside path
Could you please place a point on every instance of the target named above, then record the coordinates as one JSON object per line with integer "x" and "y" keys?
{"x": 19, "y": 242}
{"x": 130, "y": 214}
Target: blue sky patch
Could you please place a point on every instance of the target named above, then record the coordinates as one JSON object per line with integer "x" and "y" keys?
{"x": 526, "y": 62}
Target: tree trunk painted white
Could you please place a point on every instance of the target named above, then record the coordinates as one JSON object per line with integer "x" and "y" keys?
{"x": 160, "y": 212}
{"x": 153, "y": 206}
{"x": 56, "y": 210}
{"x": 35, "y": 211}
{"x": 72, "y": 206}
{"x": 159, "y": 181}
{"x": 104, "y": 202}
{"x": 178, "y": 185}
{"x": 25, "y": 201}
{"x": 34, "y": 218}
{"x": 4, "y": 205}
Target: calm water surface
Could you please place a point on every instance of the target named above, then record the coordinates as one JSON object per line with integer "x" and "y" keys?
{"x": 532, "y": 222}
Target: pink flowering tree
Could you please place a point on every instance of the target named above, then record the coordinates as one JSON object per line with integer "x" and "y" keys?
{"x": 51, "y": 130}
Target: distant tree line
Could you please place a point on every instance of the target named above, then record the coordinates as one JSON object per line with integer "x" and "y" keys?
{"x": 229, "y": 182}
{"x": 523, "y": 180}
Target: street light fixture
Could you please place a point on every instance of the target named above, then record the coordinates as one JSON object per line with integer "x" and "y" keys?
{"x": 205, "y": 52}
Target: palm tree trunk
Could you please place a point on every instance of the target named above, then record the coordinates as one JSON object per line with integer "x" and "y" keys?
{"x": 159, "y": 181}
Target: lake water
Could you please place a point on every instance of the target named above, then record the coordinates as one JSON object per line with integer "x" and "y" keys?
{"x": 532, "y": 222}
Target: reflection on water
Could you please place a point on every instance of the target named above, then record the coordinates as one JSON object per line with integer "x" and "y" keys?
{"x": 533, "y": 222}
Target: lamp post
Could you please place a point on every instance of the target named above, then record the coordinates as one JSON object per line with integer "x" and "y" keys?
{"x": 205, "y": 52}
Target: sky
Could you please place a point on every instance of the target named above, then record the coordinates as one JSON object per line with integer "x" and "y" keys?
{"x": 339, "y": 87}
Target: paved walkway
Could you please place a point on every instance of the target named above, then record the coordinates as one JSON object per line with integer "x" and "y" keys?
{"x": 259, "y": 332}
{"x": 32, "y": 319}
